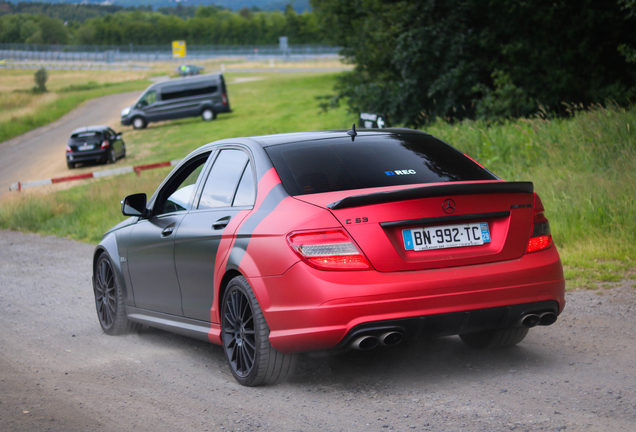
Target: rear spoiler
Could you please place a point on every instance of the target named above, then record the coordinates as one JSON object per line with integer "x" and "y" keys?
{"x": 432, "y": 191}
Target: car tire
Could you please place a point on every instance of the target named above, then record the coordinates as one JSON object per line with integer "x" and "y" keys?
{"x": 499, "y": 338}
{"x": 208, "y": 114}
{"x": 70, "y": 165}
{"x": 245, "y": 336}
{"x": 109, "y": 300}
{"x": 138, "y": 123}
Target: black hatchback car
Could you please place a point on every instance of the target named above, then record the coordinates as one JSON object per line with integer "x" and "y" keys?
{"x": 94, "y": 144}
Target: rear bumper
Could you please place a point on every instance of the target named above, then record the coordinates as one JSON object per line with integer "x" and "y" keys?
{"x": 308, "y": 309}
{"x": 99, "y": 155}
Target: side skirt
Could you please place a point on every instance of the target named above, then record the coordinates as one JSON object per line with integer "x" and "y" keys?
{"x": 175, "y": 324}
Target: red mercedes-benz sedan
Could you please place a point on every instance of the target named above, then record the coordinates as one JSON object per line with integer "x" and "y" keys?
{"x": 281, "y": 244}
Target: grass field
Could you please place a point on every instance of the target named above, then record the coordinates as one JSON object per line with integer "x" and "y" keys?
{"x": 21, "y": 110}
{"x": 584, "y": 169}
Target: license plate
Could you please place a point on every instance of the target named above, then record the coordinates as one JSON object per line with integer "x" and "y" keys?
{"x": 85, "y": 147}
{"x": 446, "y": 236}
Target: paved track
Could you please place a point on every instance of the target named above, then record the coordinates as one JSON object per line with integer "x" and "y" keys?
{"x": 40, "y": 153}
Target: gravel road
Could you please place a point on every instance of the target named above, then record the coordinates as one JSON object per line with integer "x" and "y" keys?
{"x": 59, "y": 372}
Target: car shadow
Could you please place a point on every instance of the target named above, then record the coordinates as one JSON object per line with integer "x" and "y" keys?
{"x": 437, "y": 360}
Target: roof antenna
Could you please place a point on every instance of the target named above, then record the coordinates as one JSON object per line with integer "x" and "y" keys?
{"x": 352, "y": 132}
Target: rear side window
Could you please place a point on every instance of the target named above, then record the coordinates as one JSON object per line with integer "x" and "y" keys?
{"x": 370, "y": 161}
{"x": 177, "y": 93}
{"x": 222, "y": 182}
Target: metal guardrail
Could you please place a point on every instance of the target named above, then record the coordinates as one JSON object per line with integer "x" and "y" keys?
{"x": 141, "y": 53}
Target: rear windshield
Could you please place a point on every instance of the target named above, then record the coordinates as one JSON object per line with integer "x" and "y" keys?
{"x": 370, "y": 161}
{"x": 86, "y": 137}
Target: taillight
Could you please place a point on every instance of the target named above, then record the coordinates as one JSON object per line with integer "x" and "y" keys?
{"x": 541, "y": 237}
{"x": 328, "y": 250}
{"x": 69, "y": 149}
{"x": 224, "y": 98}
{"x": 105, "y": 144}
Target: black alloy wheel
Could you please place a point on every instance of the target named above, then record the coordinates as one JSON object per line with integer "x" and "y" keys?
{"x": 109, "y": 300}
{"x": 112, "y": 157}
{"x": 245, "y": 336}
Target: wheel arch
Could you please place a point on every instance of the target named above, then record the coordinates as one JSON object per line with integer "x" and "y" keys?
{"x": 225, "y": 281}
{"x": 109, "y": 246}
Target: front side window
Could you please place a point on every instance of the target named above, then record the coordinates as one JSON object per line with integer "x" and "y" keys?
{"x": 221, "y": 185}
{"x": 177, "y": 194}
{"x": 148, "y": 99}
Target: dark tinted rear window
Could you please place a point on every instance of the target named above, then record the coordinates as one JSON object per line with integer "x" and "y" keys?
{"x": 86, "y": 137}
{"x": 370, "y": 161}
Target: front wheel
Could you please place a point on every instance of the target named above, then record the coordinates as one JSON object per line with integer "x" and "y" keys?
{"x": 500, "y": 338}
{"x": 208, "y": 114}
{"x": 245, "y": 336}
{"x": 138, "y": 123}
{"x": 109, "y": 299}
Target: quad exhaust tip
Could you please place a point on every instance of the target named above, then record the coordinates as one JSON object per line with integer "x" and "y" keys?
{"x": 365, "y": 343}
{"x": 532, "y": 320}
{"x": 391, "y": 338}
{"x": 368, "y": 342}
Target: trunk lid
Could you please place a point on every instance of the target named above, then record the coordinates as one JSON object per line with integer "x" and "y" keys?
{"x": 377, "y": 220}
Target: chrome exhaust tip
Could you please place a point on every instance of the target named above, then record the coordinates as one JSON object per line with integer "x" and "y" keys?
{"x": 548, "y": 318}
{"x": 391, "y": 338}
{"x": 530, "y": 320}
{"x": 365, "y": 343}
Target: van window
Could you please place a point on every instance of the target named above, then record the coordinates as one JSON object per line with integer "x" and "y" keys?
{"x": 148, "y": 99}
{"x": 180, "y": 92}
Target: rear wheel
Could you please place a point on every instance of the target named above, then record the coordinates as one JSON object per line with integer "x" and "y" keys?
{"x": 109, "y": 299}
{"x": 208, "y": 114}
{"x": 138, "y": 123}
{"x": 245, "y": 335}
{"x": 70, "y": 165}
{"x": 499, "y": 338}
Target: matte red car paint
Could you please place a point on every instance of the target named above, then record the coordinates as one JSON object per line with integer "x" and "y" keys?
{"x": 315, "y": 309}
{"x": 309, "y": 309}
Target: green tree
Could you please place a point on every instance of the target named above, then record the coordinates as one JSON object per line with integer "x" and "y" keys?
{"x": 417, "y": 60}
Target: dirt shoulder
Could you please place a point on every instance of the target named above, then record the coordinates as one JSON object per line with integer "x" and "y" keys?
{"x": 59, "y": 372}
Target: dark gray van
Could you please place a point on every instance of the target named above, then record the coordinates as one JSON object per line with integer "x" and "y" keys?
{"x": 203, "y": 95}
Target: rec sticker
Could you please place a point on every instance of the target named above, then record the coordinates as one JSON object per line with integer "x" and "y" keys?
{"x": 400, "y": 172}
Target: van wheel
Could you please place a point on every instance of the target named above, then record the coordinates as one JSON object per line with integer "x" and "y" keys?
{"x": 208, "y": 114}
{"x": 139, "y": 123}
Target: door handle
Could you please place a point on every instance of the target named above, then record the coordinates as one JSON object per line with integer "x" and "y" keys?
{"x": 167, "y": 230}
{"x": 221, "y": 223}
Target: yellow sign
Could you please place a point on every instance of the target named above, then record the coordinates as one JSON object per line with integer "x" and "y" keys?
{"x": 178, "y": 49}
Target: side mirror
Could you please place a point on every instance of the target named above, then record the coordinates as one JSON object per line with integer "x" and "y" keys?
{"x": 134, "y": 205}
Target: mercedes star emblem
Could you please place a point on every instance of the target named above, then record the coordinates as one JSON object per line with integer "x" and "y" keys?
{"x": 449, "y": 206}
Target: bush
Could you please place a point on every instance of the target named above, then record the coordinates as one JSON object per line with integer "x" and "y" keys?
{"x": 41, "y": 75}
